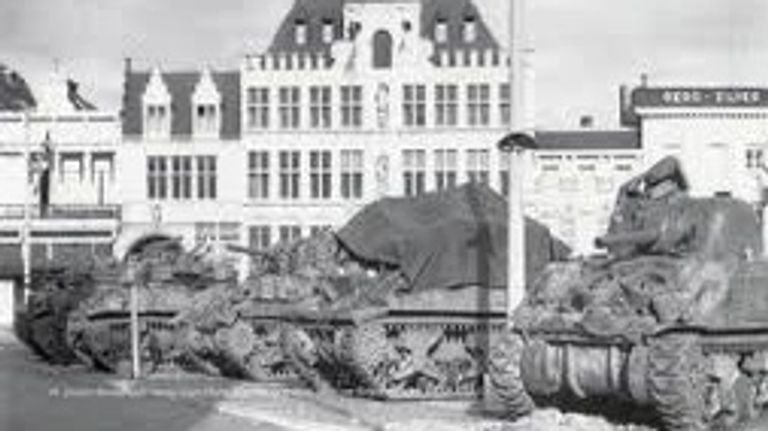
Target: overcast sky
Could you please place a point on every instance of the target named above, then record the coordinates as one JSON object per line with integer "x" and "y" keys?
{"x": 584, "y": 49}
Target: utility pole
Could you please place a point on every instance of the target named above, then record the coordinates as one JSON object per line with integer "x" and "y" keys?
{"x": 26, "y": 228}
{"x": 135, "y": 277}
{"x": 514, "y": 145}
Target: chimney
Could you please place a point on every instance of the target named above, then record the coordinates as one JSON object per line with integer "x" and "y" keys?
{"x": 127, "y": 65}
{"x": 643, "y": 79}
{"x": 627, "y": 117}
{"x": 586, "y": 121}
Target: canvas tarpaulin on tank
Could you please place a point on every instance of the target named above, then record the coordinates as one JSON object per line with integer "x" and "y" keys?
{"x": 450, "y": 238}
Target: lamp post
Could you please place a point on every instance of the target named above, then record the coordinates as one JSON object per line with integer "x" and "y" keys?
{"x": 514, "y": 145}
{"x": 133, "y": 276}
{"x": 25, "y": 235}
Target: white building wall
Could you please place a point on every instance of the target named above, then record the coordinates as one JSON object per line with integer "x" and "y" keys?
{"x": 712, "y": 145}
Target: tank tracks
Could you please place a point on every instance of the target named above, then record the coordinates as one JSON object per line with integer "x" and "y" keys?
{"x": 399, "y": 356}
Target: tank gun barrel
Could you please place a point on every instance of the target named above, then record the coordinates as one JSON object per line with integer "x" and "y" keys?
{"x": 638, "y": 237}
{"x": 245, "y": 250}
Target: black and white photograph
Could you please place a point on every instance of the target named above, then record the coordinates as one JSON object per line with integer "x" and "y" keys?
{"x": 383, "y": 215}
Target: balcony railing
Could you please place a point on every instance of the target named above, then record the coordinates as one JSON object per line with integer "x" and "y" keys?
{"x": 62, "y": 212}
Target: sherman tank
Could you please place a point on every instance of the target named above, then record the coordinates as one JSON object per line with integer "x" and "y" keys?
{"x": 673, "y": 318}
{"x": 412, "y": 298}
{"x": 167, "y": 279}
{"x": 83, "y": 314}
{"x": 234, "y": 331}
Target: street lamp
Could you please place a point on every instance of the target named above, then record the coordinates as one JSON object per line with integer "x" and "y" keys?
{"x": 514, "y": 146}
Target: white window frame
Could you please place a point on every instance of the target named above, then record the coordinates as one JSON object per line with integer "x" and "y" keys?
{"x": 258, "y": 107}
{"x": 414, "y": 172}
{"x": 446, "y": 168}
{"x": 289, "y": 165}
{"x": 320, "y": 174}
{"x": 260, "y": 237}
{"x": 446, "y": 104}
{"x": 478, "y": 166}
{"x": 414, "y": 105}
{"x": 258, "y": 174}
{"x": 478, "y": 104}
{"x": 320, "y": 107}
{"x": 289, "y": 99}
{"x": 351, "y": 183}
{"x": 351, "y": 106}
{"x": 206, "y": 177}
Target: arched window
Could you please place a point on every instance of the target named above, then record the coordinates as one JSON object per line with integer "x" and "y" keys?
{"x": 382, "y": 50}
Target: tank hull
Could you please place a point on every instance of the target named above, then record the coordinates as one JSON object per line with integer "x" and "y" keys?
{"x": 432, "y": 345}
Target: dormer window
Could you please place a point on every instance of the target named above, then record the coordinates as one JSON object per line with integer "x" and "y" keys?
{"x": 157, "y": 107}
{"x": 470, "y": 29}
{"x": 156, "y": 119}
{"x": 206, "y": 119}
{"x": 206, "y": 103}
{"x": 327, "y": 31}
{"x": 300, "y": 32}
{"x": 441, "y": 31}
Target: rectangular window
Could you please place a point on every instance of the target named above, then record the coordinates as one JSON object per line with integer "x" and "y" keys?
{"x": 352, "y": 174}
{"x": 414, "y": 167}
{"x": 258, "y": 107}
{"x": 71, "y": 167}
{"x": 505, "y": 104}
{"x": 103, "y": 167}
{"x": 478, "y": 104}
{"x": 157, "y": 180}
{"x": 258, "y": 174}
{"x": 229, "y": 233}
{"x": 316, "y": 229}
{"x": 206, "y": 177}
{"x": 156, "y": 119}
{"x": 446, "y": 105}
{"x": 259, "y": 237}
{"x": 755, "y": 158}
{"x": 320, "y": 174}
{"x": 205, "y": 119}
{"x": 446, "y": 164}
{"x": 290, "y": 107}
{"x": 414, "y": 105}
{"x": 352, "y": 106}
{"x": 320, "y": 107}
{"x": 478, "y": 166}
{"x": 290, "y": 171}
{"x": 290, "y": 233}
{"x": 181, "y": 177}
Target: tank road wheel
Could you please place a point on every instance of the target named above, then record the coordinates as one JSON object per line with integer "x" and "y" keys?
{"x": 370, "y": 353}
{"x": 302, "y": 354}
{"x": 677, "y": 382}
{"x": 505, "y": 393}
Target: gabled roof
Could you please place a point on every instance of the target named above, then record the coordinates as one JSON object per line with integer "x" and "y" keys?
{"x": 314, "y": 13}
{"x": 588, "y": 139}
{"x": 181, "y": 86}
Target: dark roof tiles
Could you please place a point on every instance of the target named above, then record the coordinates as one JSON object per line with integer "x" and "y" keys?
{"x": 314, "y": 13}
{"x": 181, "y": 86}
